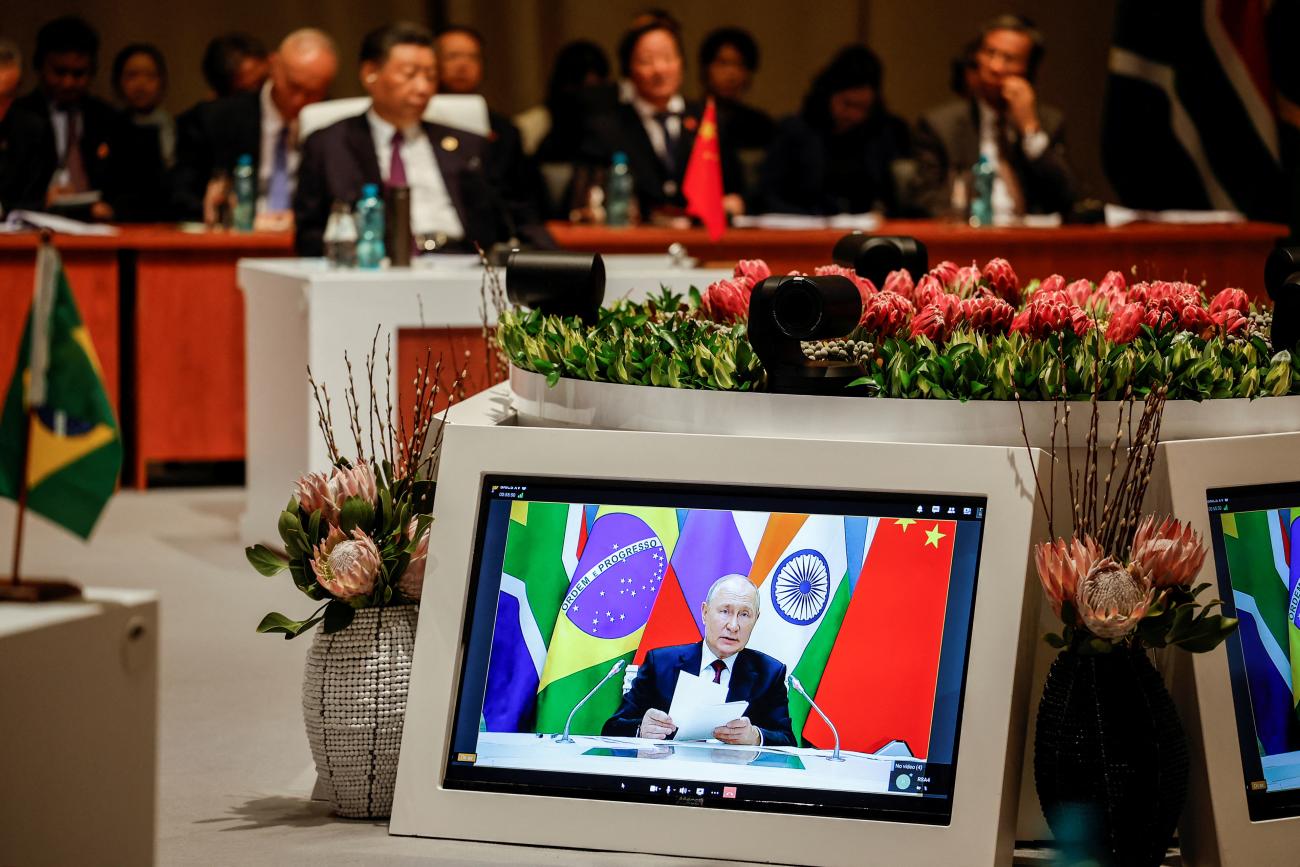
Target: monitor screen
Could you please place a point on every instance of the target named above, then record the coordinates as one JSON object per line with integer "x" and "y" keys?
{"x": 1255, "y": 531}
{"x": 712, "y": 646}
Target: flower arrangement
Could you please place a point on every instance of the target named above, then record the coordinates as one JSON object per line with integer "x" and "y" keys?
{"x": 966, "y": 333}
{"x": 358, "y": 536}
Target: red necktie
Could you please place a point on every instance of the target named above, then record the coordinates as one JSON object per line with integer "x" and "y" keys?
{"x": 72, "y": 160}
{"x": 397, "y": 168}
{"x": 718, "y": 667}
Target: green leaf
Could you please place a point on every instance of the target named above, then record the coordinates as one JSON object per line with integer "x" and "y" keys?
{"x": 275, "y": 622}
{"x": 313, "y": 527}
{"x": 1054, "y": 640}
{"x": 265, "y": 560}
{"x": 338, "y": 615}
{"x": 356, "y": 514}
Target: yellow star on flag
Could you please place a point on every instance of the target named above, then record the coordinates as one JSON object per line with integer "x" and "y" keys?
{"x": 932, "y": 537}
{"x": 905, "y": 522}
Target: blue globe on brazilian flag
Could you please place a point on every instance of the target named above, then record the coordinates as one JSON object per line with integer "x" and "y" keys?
{"x": 73, "y": 450}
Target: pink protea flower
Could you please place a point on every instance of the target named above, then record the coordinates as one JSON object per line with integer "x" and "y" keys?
{"x": 1232, "y": 321}
{"x": 952, "y": 310}
{"x": 865, "y": 286}
{"x": 1125, "y": 323}
{"x": 899, "y": 282}
{"x": 1161, "y": 316}
{"x": 926, "y": 291}
{"x": 1050, "y": 316}
{"x": 965, "y": 281}
{"x": 1161, "y": 293}
{"x": 1061, "y": 566}
{"x": 929, "y": 322}
{"x": 987, "y": 315}
{"x": 359, "y": 481}
{"x": 753, "y": 270}
{"x": 1054, "y": 283}
{"x": 1230, "y": 299}
{"x": 727, "y": 301}
{"x": 945, "y": 272}
{"x": 312, "y": 492}
{"x": 1080, "y": 292}
{"x": 1111, "y": 600}
{"x": 1167, "y": 553}
{"x": 346, "y": 567}
{"x": 1003, "y": 280}
{"x": 1196, "y": 319}
{"x": 1113, "y": 282}
{"x": 411, "y": 584}
{"x": 886, "y": 314}
{"x": 1020, "y": 322}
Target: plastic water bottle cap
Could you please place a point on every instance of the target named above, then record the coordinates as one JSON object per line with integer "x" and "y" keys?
{"x": 245, "y": 159}
{"x": 370, "y": 191}
{"x": 620, "y": 158}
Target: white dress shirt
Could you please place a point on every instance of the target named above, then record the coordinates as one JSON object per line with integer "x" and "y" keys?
{"x": 272, "y": 123}
{"x": 1004, "y": 203}
{"x": 676, "y": 108}
{"x": 432, "y": 211}
{"x": 707, "y": 658}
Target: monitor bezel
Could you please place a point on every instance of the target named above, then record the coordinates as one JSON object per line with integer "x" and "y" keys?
{"x": 1217, "y": 827}
{"x": 982, "y": 823}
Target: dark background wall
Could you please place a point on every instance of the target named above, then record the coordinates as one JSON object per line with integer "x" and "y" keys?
{"x": 916, "y": 40}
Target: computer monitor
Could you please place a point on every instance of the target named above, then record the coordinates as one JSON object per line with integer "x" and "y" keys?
{"x": 867, "y": 603}
{"x": 1243, "y": 495}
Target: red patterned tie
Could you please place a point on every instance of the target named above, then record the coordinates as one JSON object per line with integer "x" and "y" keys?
{"x": 718, "y": 667}
{"x": 397, "y": 168}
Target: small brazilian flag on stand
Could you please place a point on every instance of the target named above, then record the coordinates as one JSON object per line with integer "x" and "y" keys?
{"x": 58, "y": 435}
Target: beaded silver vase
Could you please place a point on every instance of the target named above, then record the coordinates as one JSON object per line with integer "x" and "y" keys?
{"x": 354, "y": 702}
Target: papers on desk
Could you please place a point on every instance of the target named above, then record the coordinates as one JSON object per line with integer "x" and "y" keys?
{"x": 22, "y": 221}
{"x": 700, "y": 706}
{"x": 794, "y": 222}
{"x": 1118, "y": 215}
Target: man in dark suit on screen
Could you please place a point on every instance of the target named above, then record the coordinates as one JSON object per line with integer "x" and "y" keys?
{"x": 730, "y": 609}
{"x": 452, "y": 201}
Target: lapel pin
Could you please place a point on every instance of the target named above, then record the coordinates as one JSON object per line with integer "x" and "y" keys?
{"x": 689, "y": 123}
{"x": 102, "y": 151}
{"x": 450, "y": 143}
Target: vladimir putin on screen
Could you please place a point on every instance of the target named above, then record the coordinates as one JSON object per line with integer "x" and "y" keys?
{"x": 731, "y": 608}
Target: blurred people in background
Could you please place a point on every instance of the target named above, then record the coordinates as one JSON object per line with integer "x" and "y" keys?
{"x": 552, "y": 131}
{"x": 27, "y": 152}
{"x": 728, "y": 61}
{"x": 1002, "y": 121}
{"x": 511, "y": 173}
{"x": 390, "y": 145}
{"x": 656, "y": 129}
{"x": 837, "y": 155}
{"x": 140, "y": 82}
{"x": 103, "y": 170}
{"x": 263, "y": 125}
{"x": 235, "y": 63}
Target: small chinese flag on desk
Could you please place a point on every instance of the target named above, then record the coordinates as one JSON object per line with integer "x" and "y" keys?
{"x": 702, "y": 184}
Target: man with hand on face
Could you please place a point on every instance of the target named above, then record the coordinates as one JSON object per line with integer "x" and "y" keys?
{"x": 391, "y": 146}
{"x": 730, "y": 610}
{"x": 1002, "y": 121}
{"x": 262, "y": 124}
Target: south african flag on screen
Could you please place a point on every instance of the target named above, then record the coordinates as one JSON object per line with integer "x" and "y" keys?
{"x": 74, "y": 453}
{"x": 1265, "y": 573}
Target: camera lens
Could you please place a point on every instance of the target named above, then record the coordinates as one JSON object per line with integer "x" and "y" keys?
{"x": 797, "y": 308}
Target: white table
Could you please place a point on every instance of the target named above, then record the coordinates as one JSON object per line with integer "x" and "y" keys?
{"x": 298, "y": 312}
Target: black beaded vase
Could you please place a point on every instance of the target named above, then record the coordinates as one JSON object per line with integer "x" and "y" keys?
{"x": 1110, "y": 757}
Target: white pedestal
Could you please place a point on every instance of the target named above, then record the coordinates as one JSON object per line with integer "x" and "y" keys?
{"x": 78, "y": 733}
{"x": 299, "y": 313}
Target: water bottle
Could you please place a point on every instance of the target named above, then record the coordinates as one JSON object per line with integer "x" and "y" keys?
{"x": 981, "y": 199}
{"x": 370, "y": 228}
{"x": 618, "y": 197}
{"x": 341, "y": 237}
{"x": 245, "y": 194}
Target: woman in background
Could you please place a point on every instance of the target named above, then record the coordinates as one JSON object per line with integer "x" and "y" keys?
{"x": 140, "y": 81}
{"x": 836, "y": 155}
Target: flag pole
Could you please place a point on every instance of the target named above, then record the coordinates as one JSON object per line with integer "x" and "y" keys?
{"x": 38, "y": 590}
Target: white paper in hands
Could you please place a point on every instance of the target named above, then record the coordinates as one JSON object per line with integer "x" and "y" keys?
{"x": 700, "y": 706}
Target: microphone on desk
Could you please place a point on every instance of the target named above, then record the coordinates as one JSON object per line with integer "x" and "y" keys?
{"x": 792, "y": 682}
{"x": 565, "y": 739}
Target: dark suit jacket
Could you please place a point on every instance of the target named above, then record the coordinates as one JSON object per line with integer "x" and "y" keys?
{"x": 340, "y": 159}
{"x": 517, "y": 180}
{"x": 27, "y": 161}
{"x": 211, "y": 136}
{"x": 755, "y": 677}
{"x": 621, "y": 130}
{"x": 122, "y": 161}
{"x": 947, "y": 139}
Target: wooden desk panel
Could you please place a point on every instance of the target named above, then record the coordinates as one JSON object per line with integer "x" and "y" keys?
{"x": 1219, "y": 255}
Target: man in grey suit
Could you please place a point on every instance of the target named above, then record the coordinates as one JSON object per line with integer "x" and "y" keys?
{"x": 1003, "y": 121}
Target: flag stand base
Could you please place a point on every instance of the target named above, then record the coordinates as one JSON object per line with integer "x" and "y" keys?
{"x": 38, "y": 590}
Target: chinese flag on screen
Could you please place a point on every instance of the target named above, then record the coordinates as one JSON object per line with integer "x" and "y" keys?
{"x": 702, "y": 184}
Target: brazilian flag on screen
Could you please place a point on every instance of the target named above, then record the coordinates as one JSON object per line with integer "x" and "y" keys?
{"x": 74, "y": 452}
